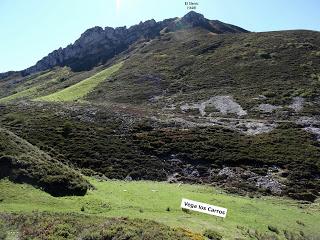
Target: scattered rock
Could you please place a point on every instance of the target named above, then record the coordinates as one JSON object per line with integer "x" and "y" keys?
{"x": 235, "y": 175}
{"x": 314, "y": 130}
{"x": 269, "y": 183}
{"x": 173, "y": 178}
{"x": 260, "y": 97}
{"x": 297, "y": 104}
{"x": 227, "y": 172}
{"x": 268, "y": 108}
{"x": 308, "y": 121}
{"x": 128, "y": 178}
{"x": 195, "y": 173}
{"x": 169, "y": 107}
{"x": 311, "y": 125}
{"x": 224, "y": 104}
{"x": 254, "y": 128}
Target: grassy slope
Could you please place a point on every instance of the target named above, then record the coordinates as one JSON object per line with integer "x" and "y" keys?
{"x": 139, "y": 201}
{"x": 34, "y": 85}
{"x": 23, "y": 162}
{"x": 81, "y": 89}
{"x": 15, "y": 84}
{"x": 24, "y": 93}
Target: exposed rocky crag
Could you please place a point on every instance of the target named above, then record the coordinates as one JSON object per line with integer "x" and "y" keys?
{"x": 97, "y": 45}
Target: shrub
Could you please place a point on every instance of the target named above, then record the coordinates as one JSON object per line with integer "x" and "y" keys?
{"x": 304, "y": 196}
{"x": 64, "y": 231}
{"x": 3, "y": 232}
{"x": 24, "y": 163}
{"x": 273, "y": 229}
{"x": 300, "y": 223}
{"x": 264, "y": 55}
{"x": 67, "y": 129}
{"x": 212, "y": 234}
{"x": 186, "y": 210}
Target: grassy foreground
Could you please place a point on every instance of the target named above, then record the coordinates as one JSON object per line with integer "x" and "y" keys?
{"x": 247, "y": 218}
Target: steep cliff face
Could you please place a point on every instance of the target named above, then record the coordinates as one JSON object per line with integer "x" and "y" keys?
{"x": 97, "y": 45}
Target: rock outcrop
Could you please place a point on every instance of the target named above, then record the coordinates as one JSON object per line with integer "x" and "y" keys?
{"x": 193, "y": 19}
{"x": 97, "y": 45}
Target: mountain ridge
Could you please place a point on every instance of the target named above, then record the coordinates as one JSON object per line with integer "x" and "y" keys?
{"x": 97, "y": 45}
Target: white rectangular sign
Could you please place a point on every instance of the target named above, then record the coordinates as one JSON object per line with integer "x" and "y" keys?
{"x": 203, "y": 208}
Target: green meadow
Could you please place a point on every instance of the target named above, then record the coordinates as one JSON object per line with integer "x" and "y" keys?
{"x": 160, "y": 202}
{"x": 25, "y": 93}
{"x": 81, "y": 89}
{"x": 35, "y": 85}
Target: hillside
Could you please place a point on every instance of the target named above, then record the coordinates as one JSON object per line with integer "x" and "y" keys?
{"x": 200, "y": 106}
{"x": 22, "y": 162}
{"x": 185, "y": 100}
{"x": 102, "y": 138}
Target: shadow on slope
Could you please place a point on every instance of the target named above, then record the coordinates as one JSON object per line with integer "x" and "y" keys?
{"x": 24, "y": 163}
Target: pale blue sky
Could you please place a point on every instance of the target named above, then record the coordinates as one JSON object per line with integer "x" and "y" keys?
{"x": 30, "y": 29}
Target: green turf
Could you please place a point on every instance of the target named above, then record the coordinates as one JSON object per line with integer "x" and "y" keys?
{"x": 34, "y": 85}
{"x": 151, "y": 200}
{"x": 25, "y": 93}
{"x": 81, "y": 89}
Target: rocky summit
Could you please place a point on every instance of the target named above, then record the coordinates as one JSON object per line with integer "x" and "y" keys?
{"x": 97, "y": 45}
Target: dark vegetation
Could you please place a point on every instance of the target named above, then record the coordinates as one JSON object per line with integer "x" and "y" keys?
{"x": 206, "y": 148}
{"x": 212, "y": 235}
{"x": 102, "y": 146}
{"x": 273, "y": 229}
{"x": 193, "y": 65}
{"x": 73, "y": 226}
{"x": 23, "y": 163}
{"x": 110, "y": 146}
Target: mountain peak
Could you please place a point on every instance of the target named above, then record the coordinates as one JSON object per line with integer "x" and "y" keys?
{"x": 192, "y": 17}
{"x": 97, "y": 45}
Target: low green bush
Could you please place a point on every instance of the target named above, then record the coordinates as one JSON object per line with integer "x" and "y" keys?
{"x": 3, "y": 231}
{"x": 72, "y": 227}
{"x": 24, "y": 163}
{"x": 212, "y": 234}
{"x": 273, "y": 229}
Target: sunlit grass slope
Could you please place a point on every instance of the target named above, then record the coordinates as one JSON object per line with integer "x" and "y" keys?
{"x": 161, "y": 202}
{"x": 25, "y": 93}
{"x": 81, "y": 89}
{"x": 35, "y": 86}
